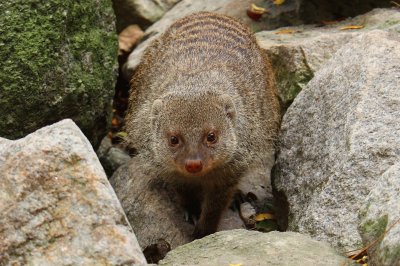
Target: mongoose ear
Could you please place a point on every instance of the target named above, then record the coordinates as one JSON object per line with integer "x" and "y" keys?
{"x": 155, "y": 110}
{"x": 229, "y": 106}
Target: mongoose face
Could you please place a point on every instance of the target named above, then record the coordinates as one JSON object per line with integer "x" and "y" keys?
{"x": 192, "y": 136}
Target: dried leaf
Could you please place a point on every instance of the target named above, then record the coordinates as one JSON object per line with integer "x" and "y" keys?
{"x": 329, "y": 22}
{"x": 395, "y": 4}
{"x": 255, "y": 12}
{"x": 278, "y": 2}
{"x": 114, "y": 122}
{"x": 239, "y": 264}
{"x": 352, "y": 27}
{"x": 285, "y": 31}
{"x": 258, "y": 10}
{"x": 128, "y": 38}
{"x": 264, "y": 216}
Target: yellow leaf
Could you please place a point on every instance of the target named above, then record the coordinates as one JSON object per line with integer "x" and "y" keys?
{"x": 258, "y": 10}
{"x": 239, "y": 264}
{"x": 264, "y": 216}
{"x": 352, "y": 27}
{"x": 285, "y": 31}
{"x": 279, "y": 2}
{"x": 122, "y": 134}
{"x": 329, "y": 22}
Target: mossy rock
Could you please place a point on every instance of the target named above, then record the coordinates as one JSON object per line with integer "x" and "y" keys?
{"x": 57, "y": 60}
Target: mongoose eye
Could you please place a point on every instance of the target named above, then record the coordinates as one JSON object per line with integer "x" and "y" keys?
{"x": 174, "y": 140}
{"x": 211, "y": 137}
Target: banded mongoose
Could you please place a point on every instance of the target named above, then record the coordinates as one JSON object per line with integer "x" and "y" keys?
{"x": 202, "y": 107}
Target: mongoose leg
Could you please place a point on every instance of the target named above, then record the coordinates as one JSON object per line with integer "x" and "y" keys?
{"x": 215, "y": 202}
{"x": 189, "y": 197}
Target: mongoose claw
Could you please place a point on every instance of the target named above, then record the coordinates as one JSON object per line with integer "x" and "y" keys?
{"x": 191, "y": 218}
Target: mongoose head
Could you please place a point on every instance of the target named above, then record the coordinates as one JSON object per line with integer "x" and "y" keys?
{"x": 193, "y": 134}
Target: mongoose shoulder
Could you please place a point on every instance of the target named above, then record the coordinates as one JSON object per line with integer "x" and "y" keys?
{"x": 202, "y": 107}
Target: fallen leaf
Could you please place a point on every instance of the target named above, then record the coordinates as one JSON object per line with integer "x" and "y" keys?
{"x": 256, "y": 9}
{"x": 352, "y": 27}
{"x": 264, "y": 216}
{"x": 285, "y": 31}
{"x": 121, "y": 134}
{"x": 114, "y": 122}
{"x": 128, "y": 38}
{"x": 239, "y": 264}
{"x": 395, "y": 4}
{"x": 255, "y": 12}
{"x": 278, "y": 2}
{"x": 329, "y": 22}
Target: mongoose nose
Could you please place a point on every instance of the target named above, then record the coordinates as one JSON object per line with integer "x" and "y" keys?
{"x": 193, "y": 166}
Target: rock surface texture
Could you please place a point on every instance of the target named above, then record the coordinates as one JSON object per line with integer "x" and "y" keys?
{"x": 382, "y": 213}
{"x": 56, "y": 61}
{"x": 303, "y": 50}
{"x": 141, "y": 12}
{"x": 340, "y": 140}
{"x": 250, "y": 248}
{"x": 56, "y": 205}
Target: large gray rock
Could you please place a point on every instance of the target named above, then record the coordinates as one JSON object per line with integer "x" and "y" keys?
{"x": 56, "y": 205}
{"x": 296, "y": 56}
{"x": 250, "y": 248}
{"x": 339, "y": 136}
{"x": 141, "y": 12}
{"x": 382, "y": 213}
{"x": 57, "y": 60}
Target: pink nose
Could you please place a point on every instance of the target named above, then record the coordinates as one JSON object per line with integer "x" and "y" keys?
{"x": 193, "y": 166}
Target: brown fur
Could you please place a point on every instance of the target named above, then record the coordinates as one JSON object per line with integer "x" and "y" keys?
{"x": 205, "y": 73}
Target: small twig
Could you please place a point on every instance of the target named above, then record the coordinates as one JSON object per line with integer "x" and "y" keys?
{"x": 395, "y": 3}
{"x": 362, "y": 250}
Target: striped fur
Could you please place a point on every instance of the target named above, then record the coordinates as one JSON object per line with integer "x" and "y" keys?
{"x": 198, "y": 62}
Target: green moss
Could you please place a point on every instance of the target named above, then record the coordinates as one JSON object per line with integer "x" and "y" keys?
{"x": 373, "y": 229}
{"x": 390, "y": 255}
{"x": 57, "y": 60}
{"x": 290, "y": 82}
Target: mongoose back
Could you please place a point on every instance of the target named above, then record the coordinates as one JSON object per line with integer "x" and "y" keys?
{"x": 202, "y": 107}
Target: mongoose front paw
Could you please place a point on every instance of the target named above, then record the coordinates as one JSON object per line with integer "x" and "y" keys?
{"x": 198, "y": 233}
{"x": 191, "y": 217}
{"x": 201, "y": 231}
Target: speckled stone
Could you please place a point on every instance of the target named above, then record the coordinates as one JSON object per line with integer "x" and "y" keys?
{"x": 251, "y": 248}
{"x": 56, "y": 205}
{"x": 339, "y": 136}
